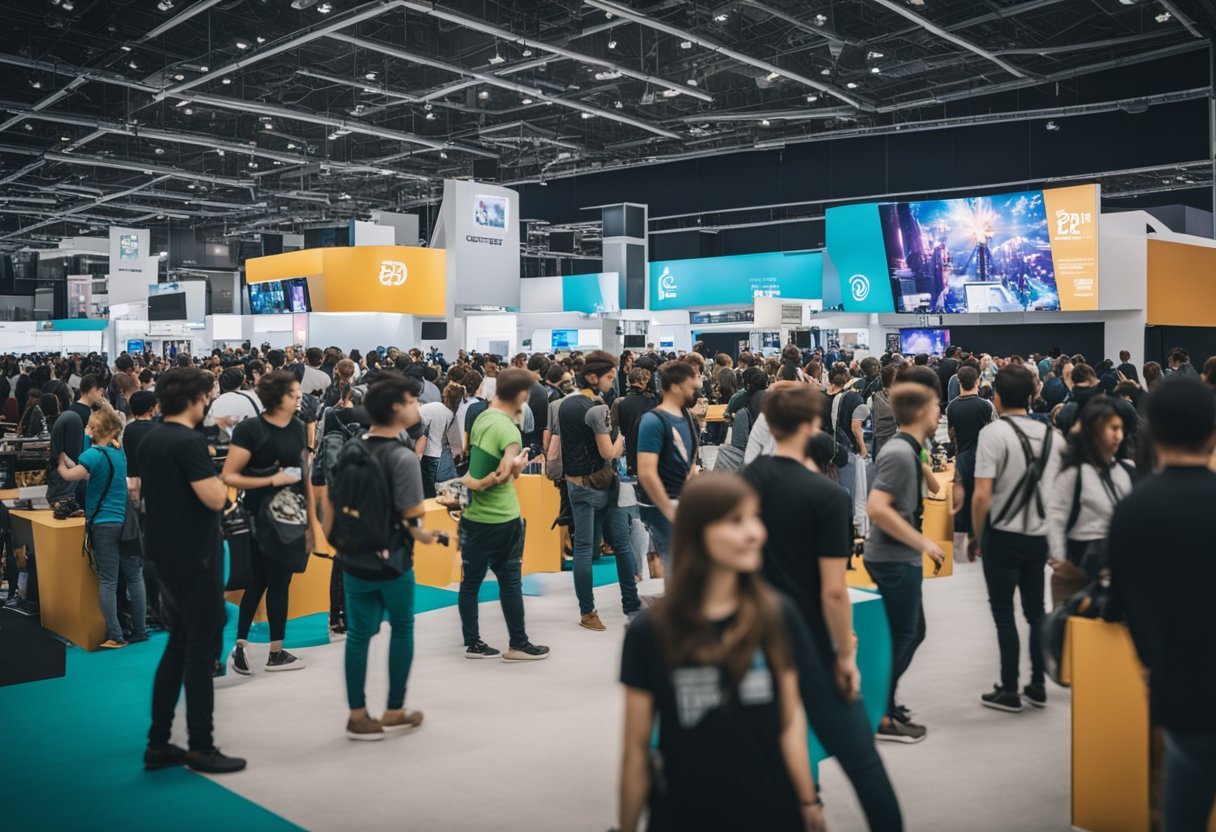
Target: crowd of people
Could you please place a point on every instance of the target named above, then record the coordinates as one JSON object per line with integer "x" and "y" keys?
{"x": 1062, "y": 465}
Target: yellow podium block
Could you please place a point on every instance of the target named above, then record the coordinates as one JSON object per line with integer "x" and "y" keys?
{"x": 68, "y": 593}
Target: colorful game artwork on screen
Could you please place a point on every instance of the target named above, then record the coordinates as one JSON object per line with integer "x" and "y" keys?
{"x": 927, "y": 341}
{"x": 1030, "y": 251}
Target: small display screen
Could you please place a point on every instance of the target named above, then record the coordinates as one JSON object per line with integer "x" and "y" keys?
{"x": 564, "y": 339}
{"x": 928, "y": 341}
{"x": 279, "y": 297}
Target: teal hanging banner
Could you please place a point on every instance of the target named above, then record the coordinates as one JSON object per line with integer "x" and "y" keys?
{"x": 738, "y": 280}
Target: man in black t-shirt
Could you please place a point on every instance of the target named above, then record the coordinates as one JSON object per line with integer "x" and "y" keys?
{"x": 966, "y": 416}
{"x": 183, "y": 496}
{"x": 143, "y": 412}
{"x": 92, "y": 393}
{"x": 810, "y": 541}
{"x": 1169, "y": 610}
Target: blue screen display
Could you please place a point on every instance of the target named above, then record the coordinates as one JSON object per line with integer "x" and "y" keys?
{"x": 738, "y": 280}
{"x": 928, "y": 341}
{"x": 565, "y": 339}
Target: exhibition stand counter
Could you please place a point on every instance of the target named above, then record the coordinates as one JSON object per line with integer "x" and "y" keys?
{"x": 938, "y": 526}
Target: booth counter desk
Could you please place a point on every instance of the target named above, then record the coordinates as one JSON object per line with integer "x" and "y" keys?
{"x": 938, "y": 526}
{"x": 435, "y": 565}
{"x": 1113, "y": 752}
{"x": 67, "y": 586}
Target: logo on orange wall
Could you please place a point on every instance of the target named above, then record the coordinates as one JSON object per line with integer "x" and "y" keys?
{"x": 393, "y": 273}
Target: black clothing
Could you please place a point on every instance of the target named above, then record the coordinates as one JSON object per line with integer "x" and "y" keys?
{"x": 475, "y": 409}
{"x": 180, "y": 532}
{"x": 967, "y": 416}
{"x": 83, "y": 411}
{"x": 271, "y": 578}
{"x": 21, "y": 391}
{"x": 273, "y": 448}
{"x": 808, "y": 517}
{"x": 715, "y": 738}
{"x": 1169, "y": 609}
{"x": 946, "y": 368}
{"x": 1054, "y": 392}
{"x": 67, "y": 436}
{"x": 59, "y": 390}
{"x": 580, "y": 453}
{"x": 538, "y": 403}
{"x": 553, "y": 394}
{"x": 1015, "y": 561}
{"x": 1129, "y": 372}
{"x": 132, "y": 436}
{"x": 1081, "y": 396}
{"x": 630, "y": 409}
{"x": 845, "y": 441}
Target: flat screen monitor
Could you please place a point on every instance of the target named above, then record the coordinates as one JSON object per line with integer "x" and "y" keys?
{"x": 135, "y": 347}
{"x": 565, "y": 339}
{"x": 635, "y": 342}
{"x": 434, "y": 330}
{"x": 928, "y": 341}
{"x": 167, "y": 307}
{"x": 279, "y": 297}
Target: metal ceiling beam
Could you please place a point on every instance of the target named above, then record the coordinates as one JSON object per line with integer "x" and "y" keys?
{"x": 20, "y": 172}
{"x": 178, "y": 19}
{"x": 803, "y": 114}
{"x": 1183, "y": 18}
{"x": 20, "y": 149}
{"x": 162, "y": 172}
{"x": 84, "y": 206}
{"x": 354, "y": 126}
{"x": 582, "y": 57}
{"x": 54, "y": 97}
{"x": 68, "y": 69}
{"x": 447, "y": 90}
{"x": 902, "y": 11}
{"x": 828, "y": 35}
{"x": 1082, "y": 47}
{"x": 734, "y": 54}
{"x": 355, "y": 15}
{"x": 1004, "y": 13}
{"x": 494, "y": 80}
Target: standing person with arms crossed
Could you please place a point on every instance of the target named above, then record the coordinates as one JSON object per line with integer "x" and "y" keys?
{"x": 492, "y": 529}
{"x": 893, "y": 550}
{"x": 371, "y": 514}
{"x": 810, "y": 541}
{"x": 1016, "y": 463}
{"x": 667, "y": 453}
{"x": 588, "y": 455}
{"x": 1169, "y": 618}
{"x": 184, "y": 496}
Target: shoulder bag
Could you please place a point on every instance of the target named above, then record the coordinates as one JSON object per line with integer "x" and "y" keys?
{"x": 89, "y": 550}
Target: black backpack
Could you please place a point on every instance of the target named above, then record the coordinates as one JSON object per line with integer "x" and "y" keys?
{"x": 329, "y": 449}
{"x": 365, "y": 523}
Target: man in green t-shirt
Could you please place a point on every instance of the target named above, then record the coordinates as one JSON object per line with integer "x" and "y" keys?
{"x": 491, "y": 530}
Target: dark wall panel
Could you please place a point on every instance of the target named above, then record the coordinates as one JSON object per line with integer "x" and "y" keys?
{"x": 1199, "y": 341}
{"x": 1023, "y": 339}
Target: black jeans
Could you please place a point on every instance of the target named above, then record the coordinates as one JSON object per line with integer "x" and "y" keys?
{"x": 499, "y": 547}
{"x": 196, "y": 602}
{"x": 1190, "y": 781}
{"x": 1016, "y": 561}
{"x": 337, "y": 595}
{"x": 845, "y": 732}
{"x": 272, "y": 579}
{"x": 900, "y": 586}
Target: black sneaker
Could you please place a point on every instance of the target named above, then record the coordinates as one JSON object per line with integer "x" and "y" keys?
{"x": 1003, "y": 700}
{"x": 25, "y": 607}
{"x": 1036, "y": 695}
{"x": 901, "y": 714}
{"x": 239, "y": 663}
{"x": 283, "y": 660}
{"x": 219, "y": 670}
{"x": 906, "y": 732}
{"x": 529, "y": 652}
{"x": 480, "y": 650}
{"x": 213, "y": 762}
{"x": 165, "y": 756}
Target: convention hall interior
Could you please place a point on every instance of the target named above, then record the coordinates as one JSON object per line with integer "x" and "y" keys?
{"x": 865, "y": 348}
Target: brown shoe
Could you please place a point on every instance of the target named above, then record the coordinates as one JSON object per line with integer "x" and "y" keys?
{"x": 591, "y": 621}
{"x": 111, "y": 644}
{"x": 364, "y": 729}
{"x": 406, "y": 721}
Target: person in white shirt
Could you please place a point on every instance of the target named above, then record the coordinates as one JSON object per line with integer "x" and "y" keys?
{"x": 233, "y": 405}
{"x": 1083, "y": 499}
{"x": 315, "y": 380}
{"x": 1017, "y": 460}
{"x": 438, "y": 417}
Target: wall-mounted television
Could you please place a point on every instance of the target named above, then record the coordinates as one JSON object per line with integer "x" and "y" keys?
{"x": 434, "y": 330}
{"x": 135, "y": 347}
{"x": 167, "y": 307}
{"x": 565, "y": 339}
{"x": 928, "y": 341}
{"x": 279, "y": 297}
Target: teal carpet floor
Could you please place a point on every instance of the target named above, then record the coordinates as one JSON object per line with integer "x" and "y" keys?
{"x": 73, "y": 747}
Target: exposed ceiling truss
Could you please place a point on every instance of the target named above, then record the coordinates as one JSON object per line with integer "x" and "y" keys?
{"x": 242, "y": 114}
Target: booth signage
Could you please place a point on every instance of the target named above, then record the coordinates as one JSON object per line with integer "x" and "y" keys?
{"x": 1029, "y": 251}
{"x": 737, "y": 280}
{"x": 404, "y": 279}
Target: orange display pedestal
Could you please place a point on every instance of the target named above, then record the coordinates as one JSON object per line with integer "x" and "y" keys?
{"x": 938, "y": 525}
{"x": 67, "y": 585}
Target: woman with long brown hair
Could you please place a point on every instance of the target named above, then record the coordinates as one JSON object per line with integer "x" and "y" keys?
{"x": 713, "y": 662}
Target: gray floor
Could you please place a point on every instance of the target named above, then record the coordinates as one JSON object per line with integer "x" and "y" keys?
{"x": 535, "y": 747}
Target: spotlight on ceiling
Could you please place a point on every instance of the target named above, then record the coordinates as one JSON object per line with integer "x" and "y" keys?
{"x": 874, "y": 56}
{"x": 428, "y": 106}
{"x": 620, "y": 105}
{"x": 302, "y": 4}
{"x": 261, "y": 39}
{"x": 612, "y": 44}
{"x": 371, "y": 76}
{"x": 686, "y": 44}
{"x": 325, "y": 8}
{"x": 28, "y": 127}
{"x": 875, "y": 70}
{"x": 133, "y": 65}
{"x": 670, "y": 93}
{"x": 764, "y": 122}
{"x": 189, "y": 111}
{"x": 430, "y": 116}
{"x": 484, "y": 95}
{"x": 226, "y": 81}
{"x": 443, "y": 154}
{"x": 820, "y": 19}
{"x": 852, "y": 85}
{"x": 497, "y": 59}
{"x": 159, "y": 151}
{"x": 527, "y": 53}
{"x": 36, "y": 84}
{"x": 585, "y": 115}
{"x": 1051, "y": 127}
{"x": 1164, "y": 17}
{"x": 292, "y": 145}
{"x": 219, "y": 151}
{"x": 179, "y": 77}
{"x": 252, "y": 165}
{"x": 720, "y": 18}
{"x": 526, "y": 101}
{"x": 811, "y": 99}
{"x": 772, "y": 76}
{"x": 692, "y": 82}
{"x": 241, "y": 44}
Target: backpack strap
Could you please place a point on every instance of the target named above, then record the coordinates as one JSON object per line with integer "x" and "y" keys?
{"x": 1075, "y": 512}
{"x": 1028, "y": 488}
{"x": 919, "y": 514}
{"x": 109, "y": 481}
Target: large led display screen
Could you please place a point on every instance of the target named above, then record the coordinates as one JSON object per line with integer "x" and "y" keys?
{"x": 591, "y": 294}
{"x": 1021, "y": 252}
{"x": 279, "y": 297}
{"x": 738, "y": 280}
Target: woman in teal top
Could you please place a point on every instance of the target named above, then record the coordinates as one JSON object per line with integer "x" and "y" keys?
{"x": 104, "y": 465}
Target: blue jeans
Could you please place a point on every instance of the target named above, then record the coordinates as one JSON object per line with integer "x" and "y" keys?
{"x": 660, "y": 532}
{"x": 367, "y": 604}
{"x": 107, "y": 541}
{"x": 596, "y": 513}
{"x": 447, "y": 467}
{"x": 500, "y": 547}
{"x": 1189, "y": 782}
{"x": 430, "y": 465}
{"x": 900, "y": 585}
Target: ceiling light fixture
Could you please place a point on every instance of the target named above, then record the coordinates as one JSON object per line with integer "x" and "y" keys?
{"x": 189, "y": 111}
{"x": 292, "y": 145}
{"x": 620, "y": 105}
{"x": 261, "y": 39}
{"x": 811, "y": 99}
{"x": 875, "y": 70}
{"x": 226, "y": 81}
{"x": 125, "y": 48}
{"x": 252, "y": 165}
{"x": 874, "y": 56}
{"x": 68, "y": 5}
{"x": 852, "y": 85}
{"x": 204, "y": 68}
{"x": 484, "y": 95}
{"x": 612, "y": 44}
{"x": 526, "y": 101}
{"x": 720, "y": 18}
{"x": 65, "y": 138}
{"x": 764, "y": 122}
{"x": 428, "y": 106}
{"x": 191, "y": 186}
{"x": 585, "y": 115}
{"x": 36, "y": 84}
{"x": 133, "y": 65}
{"x": 825, "y": 71}
{"x": 268, "y": 126}
{"x": 242, "y": 44}
{"x": 28, "y": 127}
{"x": 325, "y": 8}
{"x": 1164, "y": 17}
{"x": 179, "y": 77}
{"x": 497, "y": 59}
{"x": 670, "y": 93}
{"x": 1051, "y": 127}
{"x": 686, "y": 44}
{"x": 219, "y": 151}
{"x": 159, "y": 151}
{"x": 527, "y": 53}
{"x": 371, "y": 76}
{"x": 430, "y": 116}
{"x": 772, "y": 76}
{"x": 443, "y": 154}
{"x": 692, "y": 82}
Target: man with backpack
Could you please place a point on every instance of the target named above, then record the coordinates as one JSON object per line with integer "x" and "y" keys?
{"x": 492, "y": 528}
{"x": 1017, "y": 460}
{"x": 667, "y": 453}
{"x": 370, "y": 513}
{"x": 902, "y": 477}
